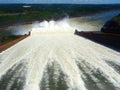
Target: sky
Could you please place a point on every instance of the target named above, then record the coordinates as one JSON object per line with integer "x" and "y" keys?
{"x": 63, "y": 1}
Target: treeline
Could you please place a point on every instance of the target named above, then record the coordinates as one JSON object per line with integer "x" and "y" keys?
{"x": 59, "y": 8}
{"x": 11, "y": 13}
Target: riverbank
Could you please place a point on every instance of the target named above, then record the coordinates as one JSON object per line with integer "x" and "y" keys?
{"x": 107, "y": 39}
{"x": 11, "y": 43}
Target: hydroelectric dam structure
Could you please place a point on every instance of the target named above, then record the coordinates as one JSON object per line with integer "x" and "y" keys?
{"x": 53, "y": 58}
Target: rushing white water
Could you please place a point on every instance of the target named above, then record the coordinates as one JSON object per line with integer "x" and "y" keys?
{"x": 53, "y": 27}
{"x": 51, "y": 59}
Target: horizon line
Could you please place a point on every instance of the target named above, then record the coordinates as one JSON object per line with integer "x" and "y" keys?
{"x": 68, "y": 3}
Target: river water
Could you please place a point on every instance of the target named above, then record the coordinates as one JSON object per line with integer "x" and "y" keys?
{"x": 53, "y": 58}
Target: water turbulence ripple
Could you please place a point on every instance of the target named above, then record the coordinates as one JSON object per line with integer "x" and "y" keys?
{"x": 59, "y": 62}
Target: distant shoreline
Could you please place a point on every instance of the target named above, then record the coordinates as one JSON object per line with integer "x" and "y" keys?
{"x": 4, "y": 25}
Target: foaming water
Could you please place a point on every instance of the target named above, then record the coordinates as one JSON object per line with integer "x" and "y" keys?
{"x": 52, "y": 26}
{"x": 53, "y": 58}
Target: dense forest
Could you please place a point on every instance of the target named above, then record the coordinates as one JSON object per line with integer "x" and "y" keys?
{"x": 12, "y": 13}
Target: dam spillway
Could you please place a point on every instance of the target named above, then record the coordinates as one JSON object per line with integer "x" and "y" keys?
{"x": 58, "y": 61}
